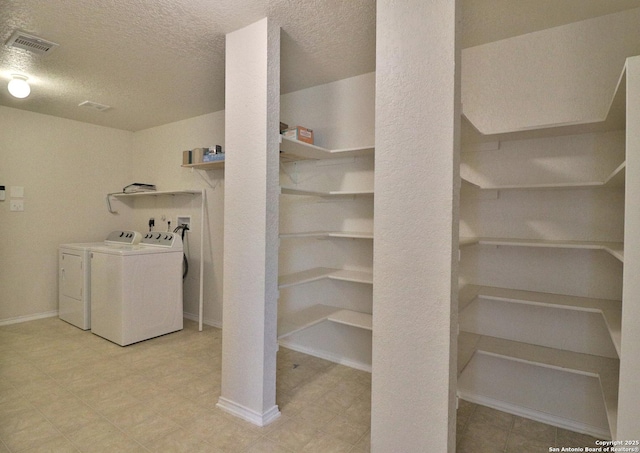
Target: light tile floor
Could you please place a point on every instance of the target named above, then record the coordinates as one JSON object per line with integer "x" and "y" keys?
{"x": 65, "y": 390}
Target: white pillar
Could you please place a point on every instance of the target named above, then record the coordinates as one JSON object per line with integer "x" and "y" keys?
{"x": 416, "y": 227}
{"x": 249, "y": 334}
{"x": 629, "y": 396}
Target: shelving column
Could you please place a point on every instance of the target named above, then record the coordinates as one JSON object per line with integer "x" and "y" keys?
{"x": 416, "y": 217}
{"x": 249, "y": 334}
{"x": 628, "y": 395}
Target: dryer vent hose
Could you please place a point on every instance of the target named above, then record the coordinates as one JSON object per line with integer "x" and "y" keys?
{"x": 185, "y": 263}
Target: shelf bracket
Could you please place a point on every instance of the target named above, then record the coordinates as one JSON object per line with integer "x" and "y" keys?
{"x": 293, "y": 176}
{"x": 109, "y": 202}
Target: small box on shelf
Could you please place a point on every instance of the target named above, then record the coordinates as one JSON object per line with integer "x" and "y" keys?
{"x": 300, "y": 133}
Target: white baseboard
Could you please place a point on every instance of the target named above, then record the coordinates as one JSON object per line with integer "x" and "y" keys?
{"x": 248, "y": 414}
{"x": 19, "y": 319}
{"x": 538, "y": 416}
{"x": 208, "y": 322}
{"x": 51, "y": 314}
{"x": 323, "y": 355}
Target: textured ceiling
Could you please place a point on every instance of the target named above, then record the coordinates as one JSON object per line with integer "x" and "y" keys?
{"x": 159, "y": 61}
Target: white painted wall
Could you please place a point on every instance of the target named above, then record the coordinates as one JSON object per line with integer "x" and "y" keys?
{"x": 156, "y": 154}
{"x": 341, "y": 114}
{"x": 541, "y": 78}
{"x": 415, "y": 256}
{"x": 66, "y": 168}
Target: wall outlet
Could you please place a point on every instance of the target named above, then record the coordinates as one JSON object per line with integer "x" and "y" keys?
{"x": 16, "y": 205}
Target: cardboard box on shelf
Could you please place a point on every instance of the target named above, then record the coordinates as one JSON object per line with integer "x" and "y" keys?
{"x": 197, "y": 154}
{"x": 300, "y": 133}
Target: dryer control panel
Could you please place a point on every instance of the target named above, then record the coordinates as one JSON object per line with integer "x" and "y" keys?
{"x": 162, "y": 239}
{"x": 123, "y": 237}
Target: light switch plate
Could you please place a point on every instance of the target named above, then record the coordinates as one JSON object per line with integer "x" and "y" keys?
{"x": 17, "y": 192}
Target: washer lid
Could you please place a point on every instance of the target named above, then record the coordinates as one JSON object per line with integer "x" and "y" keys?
{"x": 127, "y": 250}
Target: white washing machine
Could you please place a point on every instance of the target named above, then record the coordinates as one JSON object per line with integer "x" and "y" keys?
{"x": 74, "y": 278}
{"x": 136, "y": 290}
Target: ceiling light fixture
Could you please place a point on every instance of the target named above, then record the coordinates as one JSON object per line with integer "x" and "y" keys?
{"x": 18, "y": 86}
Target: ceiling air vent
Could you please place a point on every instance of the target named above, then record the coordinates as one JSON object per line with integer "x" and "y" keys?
{"x": 30, "y": 43}
{"x": 94, "y": 106}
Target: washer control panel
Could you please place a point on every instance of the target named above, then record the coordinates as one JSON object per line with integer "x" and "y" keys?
{"x": 123, "y": 237}
{"x": 162, "y": 239}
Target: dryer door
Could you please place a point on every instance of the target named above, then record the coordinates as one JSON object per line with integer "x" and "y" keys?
{"x": 71, "y": 276}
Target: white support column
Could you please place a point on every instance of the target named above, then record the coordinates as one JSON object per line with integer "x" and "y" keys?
{"x": 249, "y": 335}
{"x": 416, "y": 227}
{"x": 629, "y": 397}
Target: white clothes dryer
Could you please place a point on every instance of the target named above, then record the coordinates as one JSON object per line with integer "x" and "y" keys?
{"x": 74, "y": 278}
{"x": 136, "y": 290}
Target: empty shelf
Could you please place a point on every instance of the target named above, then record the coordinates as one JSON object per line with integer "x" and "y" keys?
{"x": 330, "y": 194}
{"x": 614, "y": 248}
{"x": 328, "y": 234}
{"x": 303, "y": 319}
{"x": 315, "y": 314}
{"x": 292, "y": 150}
{"x": 611, "y": 310}
{"x": 352, "y": 318}
{"x": 352, "y": 276}
{"x": 318, "y": 273}
{"x": 615, "y": 179}
{"x": 605, "y": 369}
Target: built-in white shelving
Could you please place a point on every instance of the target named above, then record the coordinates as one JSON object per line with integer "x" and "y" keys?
{"x": 215, "y": 165}
{"x": 534, "y": 354}
{"x": 299, "y": 315}
{"x": 328, "y": 234}
{"x": 605, "y": 369}
{"x": 330, "y": 194}
{"x": 615, "y": 179}
{"x": 615, "y": 249}
{"x": 610, "y": 310}
{"x": 292, "y": 150}
{"x": 319, "y": 273}
{"x": 315, "y": 314}
{"x": 157, "y": 193}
